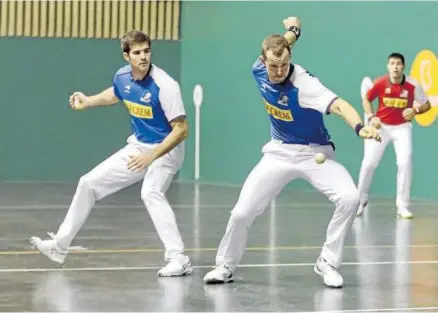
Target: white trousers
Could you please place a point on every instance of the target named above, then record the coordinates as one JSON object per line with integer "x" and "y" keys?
{"x": 113, "y": 175}
{"x": 401, "y": 136}
{"x": 280, "y": 164}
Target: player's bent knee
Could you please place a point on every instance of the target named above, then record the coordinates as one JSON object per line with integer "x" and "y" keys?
{"x": 88, "y": 184}
{"x": 241, "y": 217}
{"x": 350, "y": 200}
{"x": 151, "y": 196}
{"x": 85, "y": 182}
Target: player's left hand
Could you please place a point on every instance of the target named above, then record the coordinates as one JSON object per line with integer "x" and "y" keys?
{"x": 409, "y": 114}
{"x": 139, "y": 162}
{"x": 369, "y": 132}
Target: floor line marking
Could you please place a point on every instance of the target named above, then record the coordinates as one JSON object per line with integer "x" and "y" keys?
{"x": 380, "y": 310}
{"x": 176, "y": 205}
{"x": 84, "y": 249}
{"x": 136, "y": 268}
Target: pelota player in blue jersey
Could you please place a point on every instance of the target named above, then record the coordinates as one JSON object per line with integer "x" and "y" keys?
{"x": 154, "y": 153}
{"x": 296, "y": 102}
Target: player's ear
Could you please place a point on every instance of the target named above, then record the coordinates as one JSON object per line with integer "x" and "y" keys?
{"x": 126, "y": 56}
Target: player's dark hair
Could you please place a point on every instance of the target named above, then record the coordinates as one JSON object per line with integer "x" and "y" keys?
{"x": 396, "y": 55}
{"x": 132, "y": 37}
{"x": 275, "y": 43}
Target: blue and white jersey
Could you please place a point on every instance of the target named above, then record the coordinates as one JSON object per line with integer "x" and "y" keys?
{"x": 296, "y": 106}
{"x": 152, "y": 102}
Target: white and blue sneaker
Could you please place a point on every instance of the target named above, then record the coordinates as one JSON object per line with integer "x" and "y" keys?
{"x": 220, "y": 275}
{"x": 50, "y": 249}
{"x": 178, "y": 266}
{"x": 329, "y": 273}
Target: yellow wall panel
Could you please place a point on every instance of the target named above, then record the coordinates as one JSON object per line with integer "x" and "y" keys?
{"x": 75, "y": 19}
{"x": 19, "y": 19}
{"x": 4, "y": 13}
{"x": 107, "y": 19}
{"x": 160, "y": 19}
{"x": 175, "y": 19}
{"x": 11, "y": 20}
{"x": 59, "y": 17}
{"x": 99, "y": 20}
{"x": 43, "y": 18}
{"x": 122, "y": 18}
{"x": 114, "y": 18}
{"x": 67, "y": 18}
{"x": 138, "y": 14}
{"x": 130, "y": 17}
{"x": 146, "y": 17}
{"x": 168, "y": 20}
{"x": 52, "y": 19}
{"x": 83, "y": 19}
{"x": 27, "y": 18}
{"x": 36, "y": 18}
{"x": 153, "y": 19}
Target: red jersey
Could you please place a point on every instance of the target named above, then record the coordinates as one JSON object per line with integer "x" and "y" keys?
{"x": 394, "y": 98}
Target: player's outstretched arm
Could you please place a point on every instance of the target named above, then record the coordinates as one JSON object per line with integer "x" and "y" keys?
{"x": 349, "y": 114}
{"x": 79, "y": 101}
{"x": 293, "y": 29}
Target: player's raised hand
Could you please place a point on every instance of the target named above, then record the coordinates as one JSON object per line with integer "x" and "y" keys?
{"x": 292, "y": 21}
{"x": 369, "y": 132}
{"x": 375, "y": 122}
{"x": 409, "y": 114}
{"x": 77, "y": 101}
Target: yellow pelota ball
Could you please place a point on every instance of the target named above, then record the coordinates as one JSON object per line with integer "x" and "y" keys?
{"x": 320, "y": 158}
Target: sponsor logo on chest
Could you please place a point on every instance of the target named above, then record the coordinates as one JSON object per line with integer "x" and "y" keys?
{"x": 279, "y": 114}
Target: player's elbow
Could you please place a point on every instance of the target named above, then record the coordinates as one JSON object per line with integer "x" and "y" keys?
{"x": 426, "y": 106}
{"x": 183, "y": 130}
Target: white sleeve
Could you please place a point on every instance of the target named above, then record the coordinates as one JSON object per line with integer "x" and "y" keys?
{"x": 312, "y": 94}
{"x": 171, "y": 100}
{"x": 419, "y": 94}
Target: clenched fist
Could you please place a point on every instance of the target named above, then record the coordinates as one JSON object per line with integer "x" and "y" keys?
{"x": 369, "y": 132}
{"x": 77, "y": 101}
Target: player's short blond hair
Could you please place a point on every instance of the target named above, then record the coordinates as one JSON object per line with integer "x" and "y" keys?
{"x": 132, "y": 37}
{"x": 275, "y": 43}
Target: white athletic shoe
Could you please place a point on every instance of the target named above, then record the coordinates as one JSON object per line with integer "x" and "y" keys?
{"x": 330, "y": 274}
{"x": 178, "y": 266}
{"x": 220, "y": 275}
{"x": 404, "y": 213}
{"x": 50, "y": 249}
{"x": 361, "y": 208}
